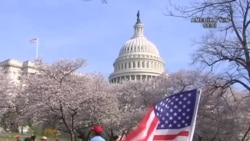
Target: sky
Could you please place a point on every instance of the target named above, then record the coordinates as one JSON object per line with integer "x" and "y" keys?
{"x": 91, "y": 30}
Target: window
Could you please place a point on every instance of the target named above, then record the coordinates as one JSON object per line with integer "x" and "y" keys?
{"x": 132, "y": 77}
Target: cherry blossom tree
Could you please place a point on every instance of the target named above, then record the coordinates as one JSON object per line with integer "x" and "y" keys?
{"x": 74, "y": 99}
{"x": 134, "y": 99}
{"x": 6, "y": 87}
{"x": 8, "y": 91}
{"x": 244, "y": 119}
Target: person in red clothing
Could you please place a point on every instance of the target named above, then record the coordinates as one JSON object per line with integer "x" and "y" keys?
{"x": 97, "y": 133}
{"x": 18, "y": 138}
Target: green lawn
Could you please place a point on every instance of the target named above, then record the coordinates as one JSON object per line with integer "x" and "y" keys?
{"x": 12, "y": 137}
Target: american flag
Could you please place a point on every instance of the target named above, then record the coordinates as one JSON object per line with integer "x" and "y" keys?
{"x": 170, "y": 119}
{"x": 34, "y": 40}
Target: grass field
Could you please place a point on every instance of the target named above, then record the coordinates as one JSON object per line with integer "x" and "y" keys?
{"x": 12, "y": 137}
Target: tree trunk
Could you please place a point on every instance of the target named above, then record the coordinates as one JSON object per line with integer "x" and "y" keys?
{"x": 72, "y": 136}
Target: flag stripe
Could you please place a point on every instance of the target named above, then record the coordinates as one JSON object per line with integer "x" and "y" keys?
{"x": 172, "y": 131}
{"x": 153, "y": 126}
{"x": 143, "y": 125}
{"x": 171, "y": 137}
{"x": 179, "y": 138}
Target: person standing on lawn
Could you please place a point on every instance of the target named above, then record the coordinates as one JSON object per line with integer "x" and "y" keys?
{"x": 33, "y": 138}
{"x": 18, "y": 138}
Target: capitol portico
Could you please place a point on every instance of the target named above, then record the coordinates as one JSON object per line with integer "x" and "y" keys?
{"x": 139, "y": 59}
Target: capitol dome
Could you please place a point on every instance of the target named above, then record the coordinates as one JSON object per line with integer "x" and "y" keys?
{"x": 139, "y": 59}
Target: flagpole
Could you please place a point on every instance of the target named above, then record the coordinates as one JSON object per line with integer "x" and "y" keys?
{"x": 193, "y": 123}
{"x": 37, "y": 43}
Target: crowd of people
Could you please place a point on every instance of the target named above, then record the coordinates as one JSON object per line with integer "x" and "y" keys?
{"x": 97, "y": 136}
{"x": 98, "y": 131}
{"x": 32, "y": 138}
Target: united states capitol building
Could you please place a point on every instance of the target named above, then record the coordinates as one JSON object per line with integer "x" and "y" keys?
{"x": 139, "y": 59}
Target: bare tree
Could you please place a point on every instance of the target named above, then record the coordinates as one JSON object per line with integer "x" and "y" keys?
{"x": 224, "y": 49}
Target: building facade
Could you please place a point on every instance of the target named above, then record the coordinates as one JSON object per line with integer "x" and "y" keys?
{"x": 14, "y": 69}
{"x": 139, "y": 59}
